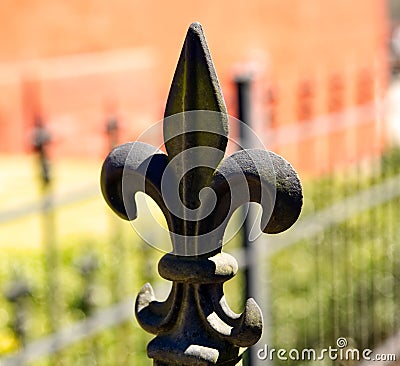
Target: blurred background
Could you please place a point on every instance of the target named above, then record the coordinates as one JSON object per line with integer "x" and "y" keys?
{"x": 79, "y": 77}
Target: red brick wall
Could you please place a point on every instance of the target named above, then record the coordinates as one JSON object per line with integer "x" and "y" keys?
{"x": 287, "y": 43}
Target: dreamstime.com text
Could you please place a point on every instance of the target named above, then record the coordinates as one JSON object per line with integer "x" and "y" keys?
{"x": 340, "y": 352}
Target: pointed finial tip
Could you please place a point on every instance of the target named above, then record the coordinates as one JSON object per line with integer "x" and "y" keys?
{"x": 196, "y": 27}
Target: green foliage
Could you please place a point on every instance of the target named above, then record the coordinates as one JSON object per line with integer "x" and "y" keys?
{"x": 344, "y": 282}
{"x": 122, "y": 263}
{"x": 341, "y": 283}
{"x": 117, "y": 274}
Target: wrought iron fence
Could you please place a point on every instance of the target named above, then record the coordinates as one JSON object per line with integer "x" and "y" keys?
{"x": 334, "y": 276}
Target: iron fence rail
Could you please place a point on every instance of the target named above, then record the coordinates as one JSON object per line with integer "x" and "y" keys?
{"x": 84, "y": 193}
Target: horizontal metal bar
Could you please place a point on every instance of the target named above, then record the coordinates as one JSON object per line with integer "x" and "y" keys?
{"x": 323, "y": 124}
{"x": 101, "y": 320}
{"x": 314, "y": 224}
{"x": 35, "y": 207}
{"x": 337, "y": 213}
{"x": 54, "y": 343}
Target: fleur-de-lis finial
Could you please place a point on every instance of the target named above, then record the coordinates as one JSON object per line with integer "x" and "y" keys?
{"x": 198, "y": 192}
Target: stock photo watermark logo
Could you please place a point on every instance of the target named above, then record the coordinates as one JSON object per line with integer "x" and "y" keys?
{"x": 196, "y": 188}
{"x": 340, "y": 352}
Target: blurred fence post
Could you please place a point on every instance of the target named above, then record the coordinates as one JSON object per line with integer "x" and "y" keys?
{"x": 335, "y": 105}
{"x": 305, "y": 97}
{"x": 272, "y": 104}
{"x": 117, "y": 248}
{"x": 198, "y": 192}
{"x": 112, "y": 130}
{"x": 41, "y": 140}
{"x": 305, "y": 115}
{"x": 87, "y": 266}
{"x": 16, "y": 293}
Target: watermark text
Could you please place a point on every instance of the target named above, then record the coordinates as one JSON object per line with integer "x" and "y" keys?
{"x": 339, "y": 352}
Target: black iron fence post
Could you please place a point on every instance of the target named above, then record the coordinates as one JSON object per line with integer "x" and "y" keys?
{"x": 243, "y": 86}
{"x": 198, "y": 191}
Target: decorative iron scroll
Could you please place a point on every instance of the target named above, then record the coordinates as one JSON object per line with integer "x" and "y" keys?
{"x": 198, "y": 191}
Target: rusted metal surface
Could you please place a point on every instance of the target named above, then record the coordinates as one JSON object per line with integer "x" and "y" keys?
{"x": 198, "y": 191}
